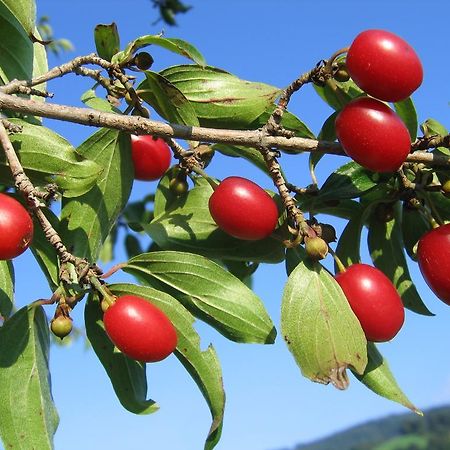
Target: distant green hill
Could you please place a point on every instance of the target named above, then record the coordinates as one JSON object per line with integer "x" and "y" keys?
{"x": 397, "y": 432}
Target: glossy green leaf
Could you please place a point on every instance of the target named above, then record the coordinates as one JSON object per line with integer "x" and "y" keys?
{"x": 174, "y": 45}
{"x": 432, "y": 127}
{"x": 407, "y": 112}
{"x": 349, "y": 181}
{"x": 164, "y": 197}
{"x": 318, "y": 325}
{"x": 414, "y": 226}
{"x": 379, "y": 379}
{"x": 6, "y": 288}
{"x": 208, "y": 291}
{"x": 107, "y": 40}
{"x": 28, "y": 417}
{"x": 40, "y": 64}
{"x": 386, "y": 249}
{"x": 289, "y": 122}
{"x": 53, "y": 159}
{"x": 328, "y": 130}
{"x": 24, "y": 12}
{"x": 187, "y": 225}
{"x": 128, "y": 377}
{"x": 89, "y": 98}
{"x": 167, "y": 99}
{"x": 219, "y": 98}
{"x": 441, "y": 203}
{"x": 345, "y": 209}
{"x": 250, "y": 154}
{"x": 338, "y": 94}
{"x": 16, "y": 48}
{"x": 44, "y": 252}
{"x": 203, "y": 366}
{"x": 348, "y": 248}
{"x": 88, "y": 219}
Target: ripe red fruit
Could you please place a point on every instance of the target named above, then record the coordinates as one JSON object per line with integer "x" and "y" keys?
{"x": 373, "y": 135}
{"x": 243, "y": 209}
{"x": 374, "y": 300}
{"x": 151, "y": 157}
{"x": 384, "y": 65}
{"x": 139, "y": 329}
{"x": 16, "y": 228}
{"x": 433, "y": 253}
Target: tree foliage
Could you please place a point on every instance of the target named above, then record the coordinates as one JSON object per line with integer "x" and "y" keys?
{"x": 193, "y": 270}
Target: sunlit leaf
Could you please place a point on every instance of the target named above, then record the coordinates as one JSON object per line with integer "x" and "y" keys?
{"x": 28, "y": 417}
{"x": 208, "y": 291}
{"x": 318, "y": 325}
{"x": 178, "y": 46}
{"x": 107, "y": 40}
{"x": 87, "y": 220}
{"x": 6, "y": 288}
{"x": 407, "y": 112}
{"x": 379, "y": 379}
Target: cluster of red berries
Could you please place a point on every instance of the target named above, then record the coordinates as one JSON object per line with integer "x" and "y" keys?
{"x": 387, "y": 68}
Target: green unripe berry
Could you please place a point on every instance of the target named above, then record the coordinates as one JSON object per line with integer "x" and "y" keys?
{"x": 61, "y": 326}
{"x": 178, "y": 186}
{"x": 316, "y": 247}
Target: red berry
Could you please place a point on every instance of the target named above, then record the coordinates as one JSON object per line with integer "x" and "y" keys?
{"x": 433, "y": 253}
{"x": 243, "y": 209}
{"x": 373, "y": 135}
{"x": 16, "y": 228}
{"x": 139, "y": 329}
{"x": 151, "y": 157}
{"x": 374, "y": 300}
{"x": 384, "y": 65}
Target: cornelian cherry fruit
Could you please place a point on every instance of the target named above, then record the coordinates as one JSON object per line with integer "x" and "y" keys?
{"x": 151, "y": 157}
{"x": 16, "y": 228}
{"x": 384, "y": 65}
{"x": 373, "y": 135}
{"x": 374, "y": 300}
{"x": 139, "y": 329}
{"x": 433, "y": 253}
{"x": 243, "y": 209}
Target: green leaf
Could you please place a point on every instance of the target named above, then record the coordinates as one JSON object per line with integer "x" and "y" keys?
{"x": 349, "y": 181}
{"x": 187, "y": 225}
{"x": 328, "y": 130}
{"x": 344, "y": 209}
{"x": 16, "y": 48}
{"x": 87, "y": 220}
{"x": 203, "y": 366}
{"x": 338, "y": 94}
{"x": 6, "y": 288}
{"x": 219, "y": 98}
{"x": 289, "y": 122}
{"x": 250, "y": 154}
{"x": 24, "y": 12}
{"x": 107, "y": 40}
{"x": 379, "y": 379}
{"x": 386, "y": 249}
{"x": 28, "y": 417}
{"x": 432, "y": 127}
{"x": 348, "y": 248}
{"x": 53, "y": 159}
{"x": 164, "y": 197}
{"x": 128, "y": 377}
{"x": 178, "y": 46}
{"x": 209, "y": 292}
{"x": 89, "y": 98}
{"x": 168, "y": 101}
{"x": 318, "y": 325}
{"x": 44, "y": 252}
{"x": 40, "y": 64}
{"x": 407, "y": 112}
{"x": 414, "y": 226}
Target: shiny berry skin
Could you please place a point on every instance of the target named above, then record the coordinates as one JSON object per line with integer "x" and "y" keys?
{"x": 151, "y": 157}
{"x": 243, "y": 209}
{"x": 139, "y": 329}
{"x": 373, "y": 135}
{"x": 384, "y": 65}
{"x": 374, "y": 300}
{"x": 433, "y": 256}
{"x": 16, "y": 228}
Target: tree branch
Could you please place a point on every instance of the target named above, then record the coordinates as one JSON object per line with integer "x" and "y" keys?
{"x": 140, "y": 125}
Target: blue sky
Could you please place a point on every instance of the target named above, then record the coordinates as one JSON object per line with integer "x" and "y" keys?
{"x": 269, "y": 405}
